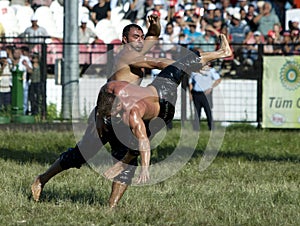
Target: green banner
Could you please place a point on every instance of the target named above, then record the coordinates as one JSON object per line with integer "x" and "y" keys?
{"x": 281, "y": 92}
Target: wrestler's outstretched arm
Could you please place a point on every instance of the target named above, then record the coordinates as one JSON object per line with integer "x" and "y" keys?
{"x": 151, "y": 62}
{"x": 139, "y": 130}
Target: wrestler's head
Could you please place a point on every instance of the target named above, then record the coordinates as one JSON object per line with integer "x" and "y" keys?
{"x": 134, "y": 36}
{"x": 108, "y": 104}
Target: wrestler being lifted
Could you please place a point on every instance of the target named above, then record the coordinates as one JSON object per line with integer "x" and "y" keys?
{"x": 136, "y": 104}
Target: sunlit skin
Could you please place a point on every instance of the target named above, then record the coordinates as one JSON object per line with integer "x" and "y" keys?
{"x": 128, "y": 67}
{"x": 136, "y": 104}
{"x": 128, "y": 63}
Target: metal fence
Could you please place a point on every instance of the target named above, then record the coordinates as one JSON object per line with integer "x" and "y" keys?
{"x": 238, "y": 98}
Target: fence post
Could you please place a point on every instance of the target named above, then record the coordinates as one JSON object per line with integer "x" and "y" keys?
{"x": 17, "y": 92}
{"x": 110, "y": 59}
{"x": 44, "y": 81}
{"x": 259, "y": 85}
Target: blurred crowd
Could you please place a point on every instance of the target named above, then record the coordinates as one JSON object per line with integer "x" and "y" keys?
{"x": 196, "y": 24}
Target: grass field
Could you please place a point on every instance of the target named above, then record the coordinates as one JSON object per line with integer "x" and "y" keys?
{"x": 255, "y": 180}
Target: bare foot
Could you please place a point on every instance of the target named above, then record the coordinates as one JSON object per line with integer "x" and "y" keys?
{"x": 115, "y": 170}
{"x": 224, "y": 48}
{"x": 36, "y": 188}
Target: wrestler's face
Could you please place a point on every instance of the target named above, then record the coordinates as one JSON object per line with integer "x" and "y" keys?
{"x": 135, "y": 38}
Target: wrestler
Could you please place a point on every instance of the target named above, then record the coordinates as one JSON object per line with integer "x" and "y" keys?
{"x": 73, "y": 157}
{"x": 135, "y": 105}
{"x": 135, "y": 47}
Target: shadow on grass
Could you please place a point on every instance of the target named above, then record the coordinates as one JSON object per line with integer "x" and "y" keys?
{"x": 87, "y": 196}
{"x": 250, "y": 156}
{"x": 23, "y": 156}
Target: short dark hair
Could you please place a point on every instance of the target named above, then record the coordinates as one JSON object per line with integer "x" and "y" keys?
{"x": 127, "y": 28}
{"x": 25, "y": 48}
{"x": 105, "y": 102}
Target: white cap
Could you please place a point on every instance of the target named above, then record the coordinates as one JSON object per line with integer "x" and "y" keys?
{"x": 3, "y": 54}
{"x": 237, "y": 16}
{"x": 84, "y": 19}
{"x": 257, "y": 33}
{"x": 211, "y": 6}
{"x": 260, "y": 4}
{"x": 188, "y": 6}
{"x": 158, "y": 2}
{"x": 34, "y": 17}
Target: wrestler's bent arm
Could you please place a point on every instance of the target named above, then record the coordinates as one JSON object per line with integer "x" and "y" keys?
{"x": 152, "y": 34}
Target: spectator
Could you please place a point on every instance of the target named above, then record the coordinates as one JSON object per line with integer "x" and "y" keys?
{"x": 35, "y": 85}
{"x": 295, "y": 35}
{"x": 5, "y": 81}
{"x": 169, "y": 37}
{"x": 9, "y": 50}
{"x": 24, "y": 64}
{"x": 101, "y": 11}
{"x": 288, "y": 46}
{"x": 243, "y": 16}
{"x": 251, "y": 14}
{"x": 132, "y": 10}
{"x": 196, "y": 19}
{"x": 209, "y": 14}
{"x": 243, "y": 4}
{"x": 278, "y": 39}
{"x": 201, "y": 85}
{"x": 203, "y": 24}
{"x": 266, "y": 19}
{"x": 91, "y": 3}
{"x": 178, "y": 23}
{"x": 35, "y": 33}
{"x": 25, "y": 51}
{"x": 269, "y": 45}
{"x": 189, "y": 11}
{"x": 85, "y": 3}
{"x": 294, "y": 24}
{"x": 191, "y": 34}
{"x": 207, "y": 41}
{"x": 145, "y": 9}
{"x": 228, "y": 9}
{"x": 295, "y": 40}
{"x": 218, "y": 24}
{"x": 218, "y": 14}
{"x": 240, "y": 32}
{"x": 86, "y": 34}
{"x": 250, "y": 52}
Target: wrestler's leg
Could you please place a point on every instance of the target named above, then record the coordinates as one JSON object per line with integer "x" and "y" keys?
{"x": 121, "y": 182}
{"x": 117, "y": 191}
{"x": 223, "y": 52}
{"x": 42, "y": 179}
{"x": 71, "y": 158}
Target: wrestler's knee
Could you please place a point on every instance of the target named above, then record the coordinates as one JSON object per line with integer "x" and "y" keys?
{"x": 72, "y": 158}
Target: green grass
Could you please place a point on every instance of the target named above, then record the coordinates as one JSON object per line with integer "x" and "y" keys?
{"x": 255, "y": 180}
